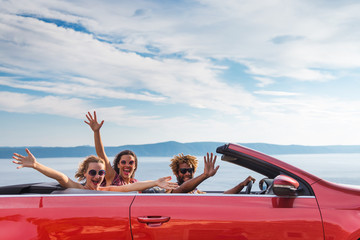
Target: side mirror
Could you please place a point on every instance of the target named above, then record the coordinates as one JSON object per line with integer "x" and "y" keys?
{"x": 285, "y": 186}
{"x": 265, "y": 184}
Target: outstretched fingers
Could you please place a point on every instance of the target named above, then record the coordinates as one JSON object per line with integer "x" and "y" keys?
{"x": 95, "y": 118}
{"x": 209, "y": 165}
{"x": 28, "y": 161}
{"x": 163, "y": 180}
{"x": 92, "y": 121}
{"x": 172, "y": 185}
{"x": 18, "y": 158}
{"x": 18, "y": 167}
{"x": 16, "y": 155}
{"x": 29, "y": 153}
{"x": 164, "y": 183}
{"x": 89, "y": 118}
{"x": 210, "y": 158}
{"x": 168, "y": 178}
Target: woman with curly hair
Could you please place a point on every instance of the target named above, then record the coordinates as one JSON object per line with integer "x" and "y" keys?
{"x": 125, "y": 163}
{"x": 92, "y": 170}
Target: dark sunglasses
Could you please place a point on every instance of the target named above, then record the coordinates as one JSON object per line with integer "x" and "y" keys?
{"x": 184, "y": 170}
{"x": 123, "y": 162}
{"x": 93, "y": 172}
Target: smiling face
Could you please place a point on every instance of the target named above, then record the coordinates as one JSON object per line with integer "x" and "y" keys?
{"x": 93, "y": 181}
{"x": 186, "y": 172}
{"x": 183, "y": 167}
{"x": 126, "y": 167}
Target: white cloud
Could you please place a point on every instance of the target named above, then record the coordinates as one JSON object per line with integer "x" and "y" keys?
{"x": 263, "y": 81}
{"x": 73, "y": 53}
{"x": 69, "y": 107}
{"x": 276, "y": 93}
{"x": 163, "y": 54}
{"x": 202, "y": 36}
{"x": 89, "y": 89}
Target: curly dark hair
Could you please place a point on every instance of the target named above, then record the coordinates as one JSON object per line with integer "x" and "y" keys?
{"x": 117, "y": 160}
{"x": 84, "y": 165}
{"x": 181, "y": 158}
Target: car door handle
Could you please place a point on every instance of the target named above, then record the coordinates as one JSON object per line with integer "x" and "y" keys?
{"x": 153, "y": 221}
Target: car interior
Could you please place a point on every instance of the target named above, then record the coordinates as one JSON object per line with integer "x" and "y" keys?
{"x": 269, "y": 171}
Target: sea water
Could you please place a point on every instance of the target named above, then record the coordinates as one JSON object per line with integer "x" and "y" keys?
{"x": 339, "y": 168}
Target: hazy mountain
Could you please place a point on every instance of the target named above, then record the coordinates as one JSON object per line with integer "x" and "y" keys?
{"x": 173, "y": 148}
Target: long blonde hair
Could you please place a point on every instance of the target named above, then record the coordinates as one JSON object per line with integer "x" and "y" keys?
{"x": 84, "y": 165}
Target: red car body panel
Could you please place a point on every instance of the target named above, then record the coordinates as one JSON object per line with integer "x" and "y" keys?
{"x": 65, "y": 217}
{"x": 315, "y": 209}
{"x": 16, "y": 214}
{"x": 210, "y": 216}
{"x": 340, "y": 209}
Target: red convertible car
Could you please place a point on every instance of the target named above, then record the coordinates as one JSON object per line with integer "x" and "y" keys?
{"x": 290, "y": 204}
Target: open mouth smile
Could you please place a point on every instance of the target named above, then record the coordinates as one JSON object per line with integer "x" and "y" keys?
{"x": 96, "y": 182}
{"x": 126, "y": 171}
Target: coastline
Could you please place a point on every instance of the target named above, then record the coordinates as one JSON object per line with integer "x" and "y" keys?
{"x": 172, "y": 148}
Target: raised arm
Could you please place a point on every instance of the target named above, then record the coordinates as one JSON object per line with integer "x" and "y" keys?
{"x": 209, "y": 171}
{"x": 140, "y": 186}
{"x": 99, "y": 147}
{"x": 240, "y": 186}
{"x": 30, "y": 162}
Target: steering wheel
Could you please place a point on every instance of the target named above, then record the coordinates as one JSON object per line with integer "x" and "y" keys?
{"x": 248, "y": 187}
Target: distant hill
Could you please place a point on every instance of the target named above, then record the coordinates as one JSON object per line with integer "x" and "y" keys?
{"x": 173, "y": 148}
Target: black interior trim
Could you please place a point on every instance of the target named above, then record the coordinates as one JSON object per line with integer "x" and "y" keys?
{"x": 35, "y": 188}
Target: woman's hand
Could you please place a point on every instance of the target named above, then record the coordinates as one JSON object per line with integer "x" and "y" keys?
{"x": 93, "y": 123}
{"x": 164, "y": 183}
{"x": 29, "y": 161}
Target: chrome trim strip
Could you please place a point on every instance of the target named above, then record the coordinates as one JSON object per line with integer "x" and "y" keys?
{"x": 152, "y": 194}
{"x": 71, "y": 195}
{"x": 226, "y": 195}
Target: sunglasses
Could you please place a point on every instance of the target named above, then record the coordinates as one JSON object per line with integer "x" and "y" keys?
{"x": 93, "y": 172}
{"x": 123, "y": 162}
{"x": 184, "y": 170}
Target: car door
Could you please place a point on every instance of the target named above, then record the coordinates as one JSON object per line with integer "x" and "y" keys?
{"x": 15, "y": 213}
{"x": 80, "y": 216}
{"x": 221, "y": 216}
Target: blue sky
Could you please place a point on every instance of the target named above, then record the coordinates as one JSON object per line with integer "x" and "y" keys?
{"x": 277, "y": 71}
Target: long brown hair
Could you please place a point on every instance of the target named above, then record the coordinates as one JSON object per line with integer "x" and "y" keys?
{"x": 117, "y": 160}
